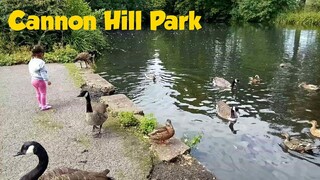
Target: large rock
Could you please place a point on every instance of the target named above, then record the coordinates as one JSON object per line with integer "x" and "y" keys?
{"x": 95, "y": 83}
{"x": 171, "y": 150}
{"x": 121, "y": 103}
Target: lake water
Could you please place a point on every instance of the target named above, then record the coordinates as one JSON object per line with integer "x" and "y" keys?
{"x": 185, "y": 61}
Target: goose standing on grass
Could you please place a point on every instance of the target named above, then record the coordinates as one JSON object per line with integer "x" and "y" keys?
{"x": 311, "y": 87}
{"x": 96, "y": 113}
{"x": 162, "y": 134}
{"x": 224, "y": 111}
{"x": 297, "y": 145}
{"x": 224, "y": 84}
{"x": 313, "y": 130}
{"x": 87, "y": 57}
{"x": 36, "y": 148}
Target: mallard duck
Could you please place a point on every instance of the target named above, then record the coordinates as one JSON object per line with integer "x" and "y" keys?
{"x": 224, "y": 84}
{"x": 86, "y": 57}
{"x": 224, "y": 111}
{"x": 311, "y": 87}
{"x": 315, "y": 132}
{"x": 96, "y": 113}
{"x": 151, "y": 76}
{"x": 286, "y": 65}
{"x": 254, "y": 80}
{"x": 162, "y": 134}
{"x": 33, "y": 147}
{"x": 296, "y": 144}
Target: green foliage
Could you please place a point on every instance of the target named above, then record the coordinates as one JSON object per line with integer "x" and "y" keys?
{"x": 61, "y": 54}
{"x": 306, "y": 19}
{"x": 127, "y": 119}
{"x": 192, "y": 142}
{"x": 147, "y": 124}
{"x": 313, "y": 6}
{"x": 261, "y": 10}
{"x": 82, "y": 40}
{"x": 22, "y": 55}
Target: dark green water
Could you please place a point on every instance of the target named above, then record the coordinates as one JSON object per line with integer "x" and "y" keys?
{"x": 183, "y": 92}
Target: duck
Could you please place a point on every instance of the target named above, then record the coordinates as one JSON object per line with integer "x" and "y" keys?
{"x": 286, "y": 65}
{"x": 254, "y": 80}
{"x": 224, "y": 84}
{"x": 96, "y": 112}
{"x": 162, "y": 134}
{"x": 315, "y": 132}
{"x": 296, "y": 144}
{"x": 33, "y": 147}
{"x": 87, "y": 57}
{"x": 225, "y": 112}
{"x": 151, "y": 76}
{"x": 311, "y": 87}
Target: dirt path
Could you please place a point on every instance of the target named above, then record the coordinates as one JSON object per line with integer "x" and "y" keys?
{"x": 62, "y": 130}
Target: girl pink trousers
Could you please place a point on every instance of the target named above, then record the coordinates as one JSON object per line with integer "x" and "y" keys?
{"x": 41, "y": 90}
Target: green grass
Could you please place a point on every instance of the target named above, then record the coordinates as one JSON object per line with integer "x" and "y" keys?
{"x": 75, "y": 74}
{"x": 302, "y": 18}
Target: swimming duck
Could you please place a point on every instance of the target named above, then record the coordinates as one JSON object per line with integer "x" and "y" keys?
{"x": 151, "y": 76}
{"x": 286, "y": 65}
{"x": 224, "y": 111}
{"x": 254, "y": 80}
{"x": 224, "y": 84}
{"x": 33, "y": 147}
{"x": 296, "y": 144}
{"x": 315, "y": 132}
{"x": 311, "y": 87}
{"x": 96, "y": 113}
{"x": 162, "y": 134}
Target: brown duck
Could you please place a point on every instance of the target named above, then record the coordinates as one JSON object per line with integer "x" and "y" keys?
{"x": 296, "y": 144}
{"x": 313, "y": 130}
{"x": 310, "y": 87}
{"x": 36, "y": 148}
{"x": 254, "y": 80}
{"x": 162, "y": 134}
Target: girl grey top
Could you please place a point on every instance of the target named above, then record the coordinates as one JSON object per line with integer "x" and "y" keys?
{"x": 38, "y": 70}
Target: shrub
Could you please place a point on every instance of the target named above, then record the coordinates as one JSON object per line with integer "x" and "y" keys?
{"x": 192, "y": 142}
{"x": 127, "y": 119}
{"x": 147, "y": 124}
{"x": 61, "y": 54}
{"x": 302, "y": 18}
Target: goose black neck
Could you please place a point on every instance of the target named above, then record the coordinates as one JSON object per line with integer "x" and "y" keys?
{"x": 89, "y": 107}
{"x": 233, "y": 114}
{"x": 40, "y": 168}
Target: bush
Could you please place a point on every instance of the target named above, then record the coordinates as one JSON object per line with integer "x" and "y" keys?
{"x": 22, "y": 55}
{"x": 307, "y": 19}
{"x": 192, "y": 142}
{"x": 61, "y": 54}
{"x": 147, "y": 124}
{"x": 127, "y": 119}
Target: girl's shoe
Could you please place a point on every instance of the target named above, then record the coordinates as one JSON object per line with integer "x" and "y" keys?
{"x": 46, "y": 107}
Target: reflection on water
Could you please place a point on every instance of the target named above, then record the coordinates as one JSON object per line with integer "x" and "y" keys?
{"x": 183, "y": 63}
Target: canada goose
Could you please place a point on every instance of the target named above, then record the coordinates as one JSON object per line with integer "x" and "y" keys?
{"x": 162, "y": 134}
{"x": 96, "y": 113}
{"x": 254, "y": 80}
{"x": 311, "y": 87}
{"x": 296, "y": 144}
{"x": 88, "y": 58}
{"x": 315, "y": 132}
{"x": 224, "y": 111}
{"x": 224, "y": 84}
{"x": 151, "y": 76}
{"x": 33, "y": 147}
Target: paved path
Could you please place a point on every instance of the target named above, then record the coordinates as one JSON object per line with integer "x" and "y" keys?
{"x": 62, "y": 131}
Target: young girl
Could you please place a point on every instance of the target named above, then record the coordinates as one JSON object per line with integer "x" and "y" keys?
{"x": 39, "y": 76}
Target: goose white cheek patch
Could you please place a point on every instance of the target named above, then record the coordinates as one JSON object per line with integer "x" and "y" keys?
{"x": 30, "y": 150}
{"x": 87, "y": 94}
